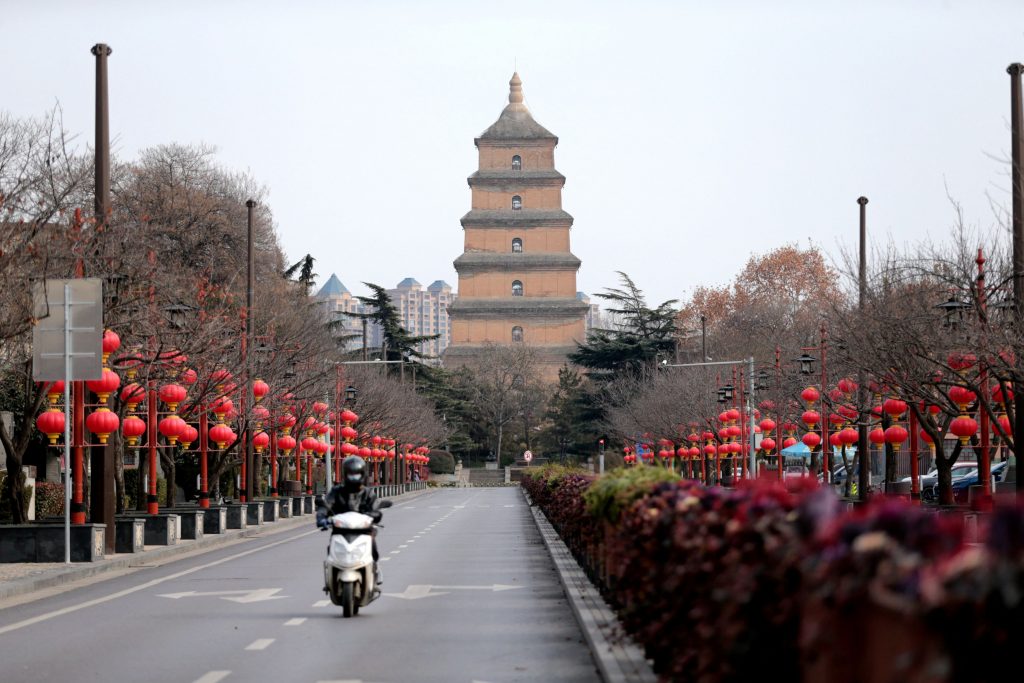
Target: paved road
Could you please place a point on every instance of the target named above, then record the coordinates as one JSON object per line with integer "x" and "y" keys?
{"x": 471, "y": 595}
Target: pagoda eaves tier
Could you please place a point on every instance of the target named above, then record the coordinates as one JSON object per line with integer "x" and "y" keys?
{"x": 517, "y": 276}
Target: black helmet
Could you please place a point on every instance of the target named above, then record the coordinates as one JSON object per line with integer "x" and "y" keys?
{"x": 353, "y": 471}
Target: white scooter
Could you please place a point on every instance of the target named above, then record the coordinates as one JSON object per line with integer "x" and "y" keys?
{"x": 348, "y": 569}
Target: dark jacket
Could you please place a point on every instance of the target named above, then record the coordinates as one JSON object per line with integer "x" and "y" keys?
{"x": 339, "y": 500}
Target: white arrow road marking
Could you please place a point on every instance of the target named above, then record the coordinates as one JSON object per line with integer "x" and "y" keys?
{"x": 297, "y": 621}
{"x": 321, "y": 603}
{"x": 261, "y": 644}
{"x": 244, "y": 596}
{"x": 417, "y": 591}
{"x": 213, "y": 677}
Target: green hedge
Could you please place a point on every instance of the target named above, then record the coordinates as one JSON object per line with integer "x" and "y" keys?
{"x": 49, "y": 499}
{"x": 5, "y": 505}
{"x": 441, "y": 462}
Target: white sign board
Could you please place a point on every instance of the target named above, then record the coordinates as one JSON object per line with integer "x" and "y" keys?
{"x": 86, "y": 330}
{"x": 527, "y": 456}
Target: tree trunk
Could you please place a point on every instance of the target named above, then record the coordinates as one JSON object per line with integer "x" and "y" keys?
{"x": 498, "y": 454}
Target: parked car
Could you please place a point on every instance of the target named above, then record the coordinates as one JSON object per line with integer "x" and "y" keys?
{"x": 931, "y": 478}
{"x": 962, "y": 484}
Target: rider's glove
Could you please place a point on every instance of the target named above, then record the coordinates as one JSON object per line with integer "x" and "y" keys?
{"x": 323, "y": 523}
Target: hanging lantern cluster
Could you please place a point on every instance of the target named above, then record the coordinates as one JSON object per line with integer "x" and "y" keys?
{"x": 811, "y": 418}
{"x": 102, "y": 422}
{"x": 51, "y": 422}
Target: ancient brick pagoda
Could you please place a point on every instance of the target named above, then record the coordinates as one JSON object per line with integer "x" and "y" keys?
{"x": 517, "y": 277}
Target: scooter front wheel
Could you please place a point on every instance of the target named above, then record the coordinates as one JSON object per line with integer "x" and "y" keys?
{"x": 348, "y": 599}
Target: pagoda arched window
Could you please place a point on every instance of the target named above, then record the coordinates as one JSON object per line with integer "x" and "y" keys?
{"x": 517, "y": 288}
{"x": 517, "y": 203}
{"x": 517, "y": 245}
{"x": 517, "y": 163}
{"x": 517, "y": 334}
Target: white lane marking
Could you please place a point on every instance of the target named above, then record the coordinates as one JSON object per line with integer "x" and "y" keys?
{"x": 411, "y": 507}
{"x": 395, "y": 552}
{"x": 245, "y": 596}
{"x": 384, "y": 559}
{"x": 434, "y": 507}
{"x": 297, "y": 621}
{"x": 143, "y": 586}
{"x": 510, "y": 506}
{"x": 321, "y": 603}
{"x": 261, "y": 644}
{"x": 404, "y": 545}
{"x": 212, "y": 677}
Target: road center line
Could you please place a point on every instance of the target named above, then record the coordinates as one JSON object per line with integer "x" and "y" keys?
{"x": 213, "y": 677}
{"x": 297, "y": 621}
{"x": 143, "y": 586}
{"x": 321, "y": 603}
{"x": 261, "y": 644}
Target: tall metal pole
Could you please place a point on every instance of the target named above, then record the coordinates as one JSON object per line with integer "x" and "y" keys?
{"x": 984, "y": 462}
{"x": 1017, "y": 155}
{"x": 67, "y": 423}
{"x": 863, "y": 474}
{"x": 703, "y": 338}
{"x": 251, "y": 478}
{"x": 102, "y": 485}
{"x": 826, "y": 446}
{"x": 750, "y": 409}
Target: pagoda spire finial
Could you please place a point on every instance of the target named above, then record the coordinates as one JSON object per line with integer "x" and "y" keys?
{"x": 515, "y": 94}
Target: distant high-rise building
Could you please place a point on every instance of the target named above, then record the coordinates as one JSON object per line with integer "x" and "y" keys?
{"x": 593, "y": 319}
{"x": 423, "y": 312}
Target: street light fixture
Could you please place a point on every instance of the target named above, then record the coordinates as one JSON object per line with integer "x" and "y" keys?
{"x": 350, "y": 395}
{"x": 806, "y": 364}
{"x": 953, "y": 312}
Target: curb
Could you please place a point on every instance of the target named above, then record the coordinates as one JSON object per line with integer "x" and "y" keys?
{"x": 83, "y": 570}
{"x": 619, "y": 659}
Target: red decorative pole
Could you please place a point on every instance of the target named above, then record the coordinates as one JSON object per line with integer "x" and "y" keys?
{"x": 915, "y": 479}
{"x": 984, "y": 461}
{"x": 152, "y": 506}
{"x": 826, "y": 445}
{"x": 204, "y": 449}
{"x": 78, "y": 466}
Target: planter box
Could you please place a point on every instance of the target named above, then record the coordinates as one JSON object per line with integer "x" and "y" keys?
{"x": 254, "y": 513}
{"x": 307, "y": 505}
{"x": 161, "y": 529}
{"x": 129, "y": 534}
{"x": 238, "y": 515}
{"x": 284, "y": 509}
{"x": 215, "y": 520}
{"x": 191, "y": 525}
{"x": 45, "y": 542}
{"x": 296, "y": 506}
{"x": 270, "y": 509}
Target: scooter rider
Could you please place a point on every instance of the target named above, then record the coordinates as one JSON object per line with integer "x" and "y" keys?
{"x": 351, "y": 496}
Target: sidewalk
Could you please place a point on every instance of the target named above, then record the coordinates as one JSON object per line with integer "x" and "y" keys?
{"x": 17, "y": 578}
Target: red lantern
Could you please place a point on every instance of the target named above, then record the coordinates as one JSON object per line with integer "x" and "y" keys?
{"x": 1004, "y": 422}
{"x": 260, "y": 441}
{"x": 54, "y": 391}
{"x": 320, "y": 407}
{"x": 348, "y": 433}
{"x": 833, "y": 439}
{"x": 964, "y": 428}
{"x": 111, "y": 343}
{"x": 962, "y": 396}
{"x": 693, "y": 452}
{"x": 810, "y": 394}
{"x": 999, "y": 394}
{"x": 171, "y": 427}
{"x": 789, "y": 441}
{"x": 222, "y": 405}
{"x": 767, "y": 425}
{"x": 102, "y": 423}
{"x": 811, "y": 439}
{"x": 349, "y": 449}
{"x": 259, "y": 390}
{"x": 836, "y": 419}
{"x": 896, "y": 435}
{"x": 848, "y": 436}
{"x": 309, "y": 444}
{"x": 894, "y": 407}
{"x": 105, "y": 386}
{"x": 221, "y": 435}
{"x": 376, "y": 440}
{"x": 189, "y": 376}
{"x": 877, "y": 436}
{"x": 260, "y": 415}
{"x": 709, "y": 450}
{"x": 348, "y": 417}
{"x": 286, "y": 443}
{"x": 286, "y": 422}
{"x": 734, "y": 431}
{"x": 810, "y": 417}
{"x": 768, "y": 445}
{"x": 51, "y": 423}
{"x": 707, "y": 436}
{"x": 733, "y": 414}
{"x": 220, "y": 377}
{"x": 961, "y": 361}
{"x": 188, "y": 435}
{"x": 365, "y": 452}
{"x": 132, "y": 395}
{"x": 172, "y": 395}
{"x": 723, "y": 416}
{"x": 132, "y": 429}
{"x": 926, "y": 437}
{"x": 847, "y": 386}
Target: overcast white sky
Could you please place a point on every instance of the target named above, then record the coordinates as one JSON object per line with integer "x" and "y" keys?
{"x": 691, "y": 133}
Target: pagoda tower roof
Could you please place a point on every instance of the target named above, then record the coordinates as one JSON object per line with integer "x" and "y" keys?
{"x": 516, "y": 122}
